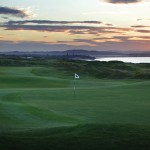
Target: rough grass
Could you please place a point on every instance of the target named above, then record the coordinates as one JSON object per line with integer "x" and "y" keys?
{"x": 106, "y": 70}
{"x": 85, "y": 137}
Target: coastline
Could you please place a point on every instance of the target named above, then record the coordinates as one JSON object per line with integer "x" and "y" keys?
{"x": 125, "y": 59}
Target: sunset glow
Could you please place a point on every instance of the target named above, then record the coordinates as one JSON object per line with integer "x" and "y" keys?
{"x": 118, "y": 25}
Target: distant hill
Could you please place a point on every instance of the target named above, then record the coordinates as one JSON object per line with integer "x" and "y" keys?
{"x": 91, "y": 53}
{"x": 67, "y": 52}
{"x": 75, "y": 52}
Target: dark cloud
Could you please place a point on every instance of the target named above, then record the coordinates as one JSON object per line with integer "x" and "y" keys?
{"x": 89, "y": 41}
{"x": 103, "y": 38}
{"x": 121, "y": 38}
{"x": 13, "y": 11}
{"x": 143, "y": 31}
{"x": 123, "y": 1}
{"x": 46, "y": 27}
{"x": 139, "y": 26}
{"x": 37, "y": 46}
{"x": 108, "y": 24}
{"x": 130, "y": 38}
{"x": 51, "y": 22}
{"x": 93, "y": 22}
{"x": 70, "y": 29}
{"x": 145, "y": 37}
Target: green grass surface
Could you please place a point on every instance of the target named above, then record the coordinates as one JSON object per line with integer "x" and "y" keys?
{"x": 34, "y": 101}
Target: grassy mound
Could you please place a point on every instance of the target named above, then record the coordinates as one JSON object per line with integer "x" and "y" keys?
{"x": 108, "y": 70}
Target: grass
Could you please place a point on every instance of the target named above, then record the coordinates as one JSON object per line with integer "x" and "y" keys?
{"x": 38, "y": 110}
{"x": 85, "y": 137}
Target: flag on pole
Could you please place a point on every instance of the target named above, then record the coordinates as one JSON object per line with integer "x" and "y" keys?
{"x": 76, "y": 76}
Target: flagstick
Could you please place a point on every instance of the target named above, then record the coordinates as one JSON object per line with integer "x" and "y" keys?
{"x": 74, "y": 87}
{"x": 76, "y": 76}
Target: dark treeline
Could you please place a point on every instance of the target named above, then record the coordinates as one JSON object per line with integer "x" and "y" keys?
{"x": 24, "y": 61}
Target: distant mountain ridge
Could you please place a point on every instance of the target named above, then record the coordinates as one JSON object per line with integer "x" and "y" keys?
{"x": 78, "y": 52}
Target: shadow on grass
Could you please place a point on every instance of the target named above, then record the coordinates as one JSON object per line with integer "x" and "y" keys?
{"x": 81, "y": 137}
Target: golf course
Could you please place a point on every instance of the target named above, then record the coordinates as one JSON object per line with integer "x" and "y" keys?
{"x": 44, "y": 107}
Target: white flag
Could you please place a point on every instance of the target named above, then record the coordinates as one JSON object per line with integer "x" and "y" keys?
{"x": 76, "y": 76}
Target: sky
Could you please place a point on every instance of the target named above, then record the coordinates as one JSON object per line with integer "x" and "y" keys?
{"x": 50, "y": 25}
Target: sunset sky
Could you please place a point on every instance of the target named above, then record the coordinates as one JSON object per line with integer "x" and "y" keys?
{"x": 48, "y": 25}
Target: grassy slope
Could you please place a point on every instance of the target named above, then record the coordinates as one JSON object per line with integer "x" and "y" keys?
{"x": 37, "y": 103}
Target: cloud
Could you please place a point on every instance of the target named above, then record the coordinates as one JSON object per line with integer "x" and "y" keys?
{"x": 114, "y": 39}
{"x": 109, "y": 24}
{"x": 145, "y": 37}
{"x": 126, "y": 43}
{"x": 5, "y": 17}
{"x": 140, "y": 26}
{"x": 123, "y": 1}
{"x": 89, "y": 41}
{"x": 37, "y": 46}
{"x": 70, "y": 27}
{"x": 55, "y": 28}
{"x": 131, "y": 38}
{"x": 67, "y": 29}
{"x": 51, "y": 22}
{"x": 143, "y": 31}
{"x": 98, "y": 41}
{"x": 143, "y": 19}
{"x": 13, "y": 12}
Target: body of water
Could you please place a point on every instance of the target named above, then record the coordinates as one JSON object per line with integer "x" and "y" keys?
{"x": 126, "y": 59}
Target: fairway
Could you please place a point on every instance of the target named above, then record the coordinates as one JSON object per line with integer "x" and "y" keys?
{"x": 30, "y": 101}
{"x": 39, "y": 111}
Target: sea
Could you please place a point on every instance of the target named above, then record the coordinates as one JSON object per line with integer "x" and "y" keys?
{"x": 126, "y": 59}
